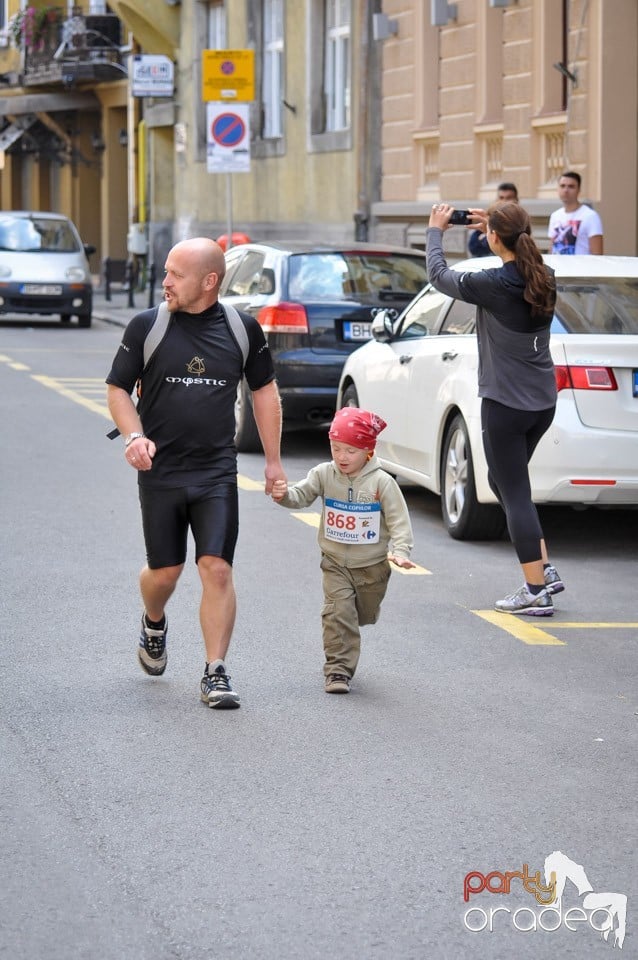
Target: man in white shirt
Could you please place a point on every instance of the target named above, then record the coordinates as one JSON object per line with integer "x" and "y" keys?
{"x": 574, "y": 227}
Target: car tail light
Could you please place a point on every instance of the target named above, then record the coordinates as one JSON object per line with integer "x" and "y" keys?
{"x": 585, "y": 378}
{"x": 283, "y": 318}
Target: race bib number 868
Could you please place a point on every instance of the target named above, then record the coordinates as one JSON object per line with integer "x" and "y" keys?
{"x": 352, "y": 522}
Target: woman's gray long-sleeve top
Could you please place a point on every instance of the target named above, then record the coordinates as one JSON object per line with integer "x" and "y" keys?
{"x": 515, "y": 364}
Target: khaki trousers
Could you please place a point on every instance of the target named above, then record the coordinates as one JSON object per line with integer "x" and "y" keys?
{"x": 352, "y": 598}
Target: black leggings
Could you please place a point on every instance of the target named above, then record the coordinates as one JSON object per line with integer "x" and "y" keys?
{"x": 509, "y": 440}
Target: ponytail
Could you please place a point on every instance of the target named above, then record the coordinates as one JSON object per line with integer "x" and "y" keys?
{"x": 512, "y": 225}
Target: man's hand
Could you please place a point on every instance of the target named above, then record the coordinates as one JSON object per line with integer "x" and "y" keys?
{"x": 140, "y": 453}
{"x": 273, "y": 472}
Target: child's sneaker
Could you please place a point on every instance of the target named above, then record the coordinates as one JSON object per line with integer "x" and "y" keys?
{"x": 553, "y": 582}
{"x": 337, "y": 683}
{"x": 151, "y": 651}
{"x": 215, "y": 688}
{"x": 524, "y": 602}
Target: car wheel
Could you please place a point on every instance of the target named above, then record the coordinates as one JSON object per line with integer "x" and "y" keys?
{"x": 464, "y": 517}
{"x": 65, "y": 318}
{"x": 84, "y": 319}
{"x": 350, "y": 397}
{"x": 246, "y": 434}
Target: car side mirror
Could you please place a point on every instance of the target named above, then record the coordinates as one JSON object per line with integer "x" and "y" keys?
{"x": 267, "y": 281}
{"x": 382, "y": 326}
{"x": 89, "y": 248}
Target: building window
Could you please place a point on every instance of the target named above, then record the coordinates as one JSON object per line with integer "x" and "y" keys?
{"x": 3, "y": 15}
{"x": 337, "y": 64}
{"x": 328, "y": 74}
{"x": 216, "y": 26}
{"x": 272, "y": 90}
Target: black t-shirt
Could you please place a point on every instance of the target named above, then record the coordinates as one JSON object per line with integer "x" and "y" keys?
{"x": 187, "y": 402}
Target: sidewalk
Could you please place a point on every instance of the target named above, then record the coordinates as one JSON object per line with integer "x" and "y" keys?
{"x": 117, "y": 310}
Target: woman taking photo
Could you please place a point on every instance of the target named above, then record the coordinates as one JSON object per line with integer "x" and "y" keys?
{"x": 515, "y": 377}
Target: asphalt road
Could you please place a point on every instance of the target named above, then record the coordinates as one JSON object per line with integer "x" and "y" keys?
{"x": 136, "y": 823}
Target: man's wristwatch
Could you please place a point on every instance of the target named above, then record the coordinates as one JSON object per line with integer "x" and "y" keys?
{"x": 131, "y": 437}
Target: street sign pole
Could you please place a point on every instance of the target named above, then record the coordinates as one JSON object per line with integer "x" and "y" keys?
{"x": 229, "y": 210}
{"x": 228, "y": 77}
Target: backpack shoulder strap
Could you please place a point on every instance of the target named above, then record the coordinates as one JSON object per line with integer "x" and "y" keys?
{"x": 238, "y": 330}
{"x": 157, "y": 332}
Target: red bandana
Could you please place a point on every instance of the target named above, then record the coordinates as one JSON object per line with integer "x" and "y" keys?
{"x": 358, "y": 428}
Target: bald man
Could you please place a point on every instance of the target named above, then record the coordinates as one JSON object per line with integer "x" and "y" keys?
{"x": 180, "y": 442}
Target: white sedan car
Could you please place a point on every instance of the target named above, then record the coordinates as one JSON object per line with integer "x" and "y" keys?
{"x": 419, "y": 372}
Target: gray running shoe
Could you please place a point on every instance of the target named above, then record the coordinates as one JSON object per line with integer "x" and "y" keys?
{"x": 215, "y": 688}
{"x": 553, "y": 582}
{"x": 337, "y": 683}
{"x": 151, "y": 651}
{"x": 524, "y": 602}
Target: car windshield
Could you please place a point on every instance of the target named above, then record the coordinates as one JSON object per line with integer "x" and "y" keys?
{"x": 36, "y": 235}
{"x": 345, "y": 276}
{"x": 608, "y": 305}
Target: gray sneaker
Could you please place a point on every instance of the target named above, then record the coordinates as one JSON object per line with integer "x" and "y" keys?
{"x": 553, "y": 582}
{"x": 215, "y": 688}
{"x": 524, "y": 602}
{"x": 151, "y": 651}
{"x": 337, "y": 683}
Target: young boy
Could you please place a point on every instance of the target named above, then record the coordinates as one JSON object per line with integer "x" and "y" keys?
{"x": 363, "y": 510}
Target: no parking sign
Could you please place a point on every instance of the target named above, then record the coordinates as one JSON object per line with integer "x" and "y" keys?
{"x": 228, "y": 138}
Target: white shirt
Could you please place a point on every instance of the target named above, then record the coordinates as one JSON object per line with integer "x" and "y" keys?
{"x": 570, "y": 230}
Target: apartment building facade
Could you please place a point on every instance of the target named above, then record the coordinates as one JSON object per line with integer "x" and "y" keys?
{"x": 516, "y": 90}
{"x": 364, "y": 113}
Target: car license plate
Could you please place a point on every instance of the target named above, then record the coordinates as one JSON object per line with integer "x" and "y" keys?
{"x": 41, "y": 289}
{"x": 356, "y": 330}
{"x": 635, "y": 383}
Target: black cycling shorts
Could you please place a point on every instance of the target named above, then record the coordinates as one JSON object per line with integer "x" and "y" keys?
{"x": 210, "y": 510}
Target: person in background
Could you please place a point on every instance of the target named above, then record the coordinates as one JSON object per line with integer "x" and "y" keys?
{"x": 363, "y": 511}
{"x": 574, "y": 228}
{"x": 477, "y": 243}
{"x": 516, "y": 377}
{"x": 180, "y": 441}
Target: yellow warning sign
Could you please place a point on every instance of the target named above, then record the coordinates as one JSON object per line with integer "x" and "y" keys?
{"x": 228, "y": 75}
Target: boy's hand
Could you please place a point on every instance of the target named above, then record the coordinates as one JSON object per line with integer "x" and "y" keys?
{"x": 279, "y": 489}
{"x": 401, "y": 561}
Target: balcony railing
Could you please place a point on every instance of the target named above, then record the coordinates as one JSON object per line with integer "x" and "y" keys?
{"x": 73, "y": 48}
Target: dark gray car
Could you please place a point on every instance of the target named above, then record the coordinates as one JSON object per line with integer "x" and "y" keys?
{"x": 315, "y": 304}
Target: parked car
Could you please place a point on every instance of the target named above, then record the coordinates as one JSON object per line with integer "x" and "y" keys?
{"x": 419, "y": 373}
{"x": 44, "y": 267}
{"x": 315, "y": 304}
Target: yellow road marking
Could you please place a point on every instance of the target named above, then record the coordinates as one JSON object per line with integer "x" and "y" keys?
{"x": 18, "y": 366}
{"x": 64, "y": 349}
{"x": 596, "y": 626}
{"x": 520, "y": 629}
{"x": 245, "y": 483}
{"x": 64, "y": 391}
{"x": 91, "y": 381}
{"x": 4, "y": 358}
{"x": 415, "y": 571}
{"x": 531, "y": 634}
{"x": 313, "y": 519}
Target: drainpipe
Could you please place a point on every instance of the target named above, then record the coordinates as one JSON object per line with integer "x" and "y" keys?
{"x": 362, "y": 138}
{"x": 131, "y": 124}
